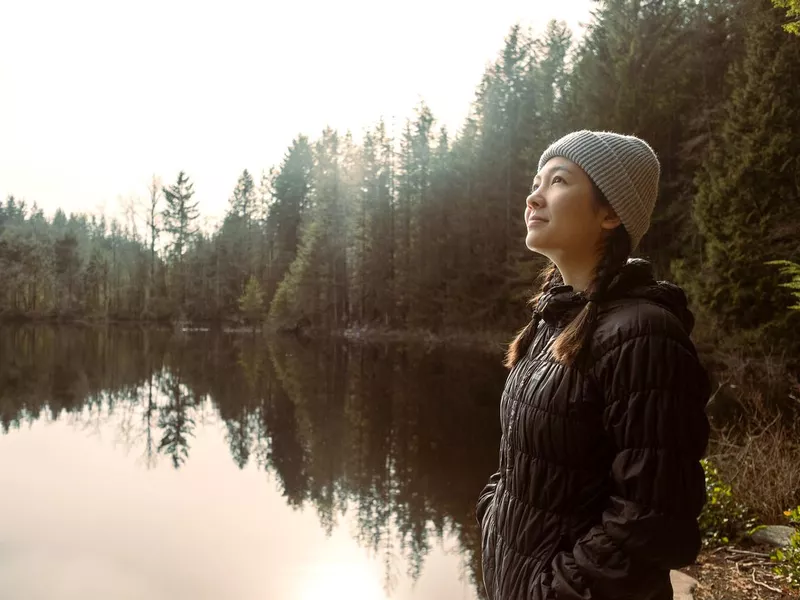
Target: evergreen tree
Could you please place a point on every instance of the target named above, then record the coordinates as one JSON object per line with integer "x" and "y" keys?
{"x": 373, "y": 244}
{"x": 514, "y": 114}
{"x": 236, "y": 246}
{"x": 315, "y": 287}
{"x": 291, "y": 188}
{"x": 438, "y": 274}
{"x": 180, "y": 214}
{"x": 67, "y": 266}
{"x": 644, "y": 69}
{"x": 243, "y": 202}
{"x": 413, "y": 196}
{"x": 748, "y": 203}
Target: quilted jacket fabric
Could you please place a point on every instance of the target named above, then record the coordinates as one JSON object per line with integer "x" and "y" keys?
{"x": 600, "y": 485}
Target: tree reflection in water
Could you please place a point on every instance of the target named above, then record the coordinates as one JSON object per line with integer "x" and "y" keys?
{"x": 402, "y": 437}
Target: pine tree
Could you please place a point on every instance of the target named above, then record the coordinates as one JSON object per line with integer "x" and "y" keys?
{"x": 748, "y": 203}
{"x": 180, "y": 214}
{"x": 373, "y": 235}
{"x": 237, "y": 246}
{"x": 291, "y": 188}
{"x": 243, "y": 202}
{"x": 513, "y": 113}
{"x": 413, "y": 194}
{"x": 315, "y": 287}
{"x": 547, "y": 86}
{"x": 67, "y": 266}
{"x": 440, "y": 216}
{"x": 642, "y": 69}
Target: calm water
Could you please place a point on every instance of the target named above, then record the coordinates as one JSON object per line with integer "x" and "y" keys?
{"x": 147, "y": 465}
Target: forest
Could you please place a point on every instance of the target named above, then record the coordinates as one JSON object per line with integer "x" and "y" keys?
{"x": 415, "y": 228}
{"x": 407, "y": 228}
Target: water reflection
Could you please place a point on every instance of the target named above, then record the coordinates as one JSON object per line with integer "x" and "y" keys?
{"x": 394, "y": 441}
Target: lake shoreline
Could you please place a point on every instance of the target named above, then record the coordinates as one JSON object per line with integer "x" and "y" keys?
{"x": 491, "y": 341}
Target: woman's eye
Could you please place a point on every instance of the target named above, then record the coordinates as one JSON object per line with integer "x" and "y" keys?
{"x": 535, "y": 186}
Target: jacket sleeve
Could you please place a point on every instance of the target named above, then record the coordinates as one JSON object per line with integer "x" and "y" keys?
{"x": 655, "y": 396}
{"x": 486, "y": 497}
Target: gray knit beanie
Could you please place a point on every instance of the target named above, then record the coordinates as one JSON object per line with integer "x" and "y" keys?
{"x": 624, "y": 167}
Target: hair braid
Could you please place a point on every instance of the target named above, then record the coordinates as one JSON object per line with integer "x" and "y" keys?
{"x": 551, "y": 276}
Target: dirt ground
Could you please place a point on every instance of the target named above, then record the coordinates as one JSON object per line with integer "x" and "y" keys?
{"x": 730, "y": 573}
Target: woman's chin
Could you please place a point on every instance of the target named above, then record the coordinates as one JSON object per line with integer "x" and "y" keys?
{"x": 535, "y": 241}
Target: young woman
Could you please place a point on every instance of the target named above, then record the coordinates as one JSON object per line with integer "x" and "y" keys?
{"x": 603, "y": 412}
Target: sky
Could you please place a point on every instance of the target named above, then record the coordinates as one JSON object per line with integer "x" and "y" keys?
{"x": 97, "y": 97}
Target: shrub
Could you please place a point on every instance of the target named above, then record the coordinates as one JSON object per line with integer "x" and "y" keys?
{"x": 758, "y": 459}
{"x": 724, "y": 518}
{"x": 788, "y": 559}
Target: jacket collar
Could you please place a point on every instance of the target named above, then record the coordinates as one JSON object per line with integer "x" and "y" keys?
{"x": 561, "y": 303}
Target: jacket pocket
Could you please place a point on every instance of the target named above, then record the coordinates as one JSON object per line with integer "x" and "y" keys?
{"x": 545, "y": 564}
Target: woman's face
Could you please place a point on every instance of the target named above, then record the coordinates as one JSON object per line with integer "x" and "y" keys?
{"x": 562, "y": 214}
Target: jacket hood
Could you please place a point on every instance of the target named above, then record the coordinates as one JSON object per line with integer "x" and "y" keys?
{"x": 561, "y": 303}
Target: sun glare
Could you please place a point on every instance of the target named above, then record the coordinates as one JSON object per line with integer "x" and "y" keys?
{"x": 352, "y": 580}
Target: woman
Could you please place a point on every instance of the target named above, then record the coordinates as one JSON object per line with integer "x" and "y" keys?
{"x": 603, "y": 412}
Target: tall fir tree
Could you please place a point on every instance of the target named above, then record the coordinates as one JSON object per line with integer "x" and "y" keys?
{"x": 314, "y": 288}
{"x": 748, "y": 203}
{"x": 243, "y": 201}
{"x": 413, "y": 194}
{"x": 291, "y": 189}
{"x": 180, "y": 214}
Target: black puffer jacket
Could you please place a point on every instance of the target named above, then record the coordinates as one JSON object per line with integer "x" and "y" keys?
{"x": 600, "y": 485}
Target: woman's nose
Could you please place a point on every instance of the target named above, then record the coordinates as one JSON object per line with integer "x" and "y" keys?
{"x": 533, "y": 201}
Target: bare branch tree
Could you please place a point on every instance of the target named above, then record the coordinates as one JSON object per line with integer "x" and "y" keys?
{"x": 153, "y": 227}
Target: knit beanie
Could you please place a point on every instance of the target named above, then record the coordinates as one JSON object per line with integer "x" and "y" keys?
{"x": 624, "y": 167}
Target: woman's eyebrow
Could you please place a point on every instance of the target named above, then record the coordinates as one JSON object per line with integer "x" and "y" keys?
{"x": 554, "y": 169}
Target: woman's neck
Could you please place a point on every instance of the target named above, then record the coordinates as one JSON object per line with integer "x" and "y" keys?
{"x": 577, "y": 273}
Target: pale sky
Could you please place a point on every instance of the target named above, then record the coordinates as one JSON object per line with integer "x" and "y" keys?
{"x": 97, "y": 96}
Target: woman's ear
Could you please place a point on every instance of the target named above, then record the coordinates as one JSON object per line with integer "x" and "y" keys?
{"x": 610, "y": 219}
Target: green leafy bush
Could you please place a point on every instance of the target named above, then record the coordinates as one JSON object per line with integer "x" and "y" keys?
{"x": 724, "y": 518}
{"x": 788, "y": 559}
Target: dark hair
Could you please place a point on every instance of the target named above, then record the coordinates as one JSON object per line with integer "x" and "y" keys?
{"x": 573, "y": 339}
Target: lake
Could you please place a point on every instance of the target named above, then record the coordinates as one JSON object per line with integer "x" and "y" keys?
{"x": 147, "y": 464}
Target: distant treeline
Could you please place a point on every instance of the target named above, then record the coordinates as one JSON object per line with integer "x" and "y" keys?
{"x": 415, "y": 228}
